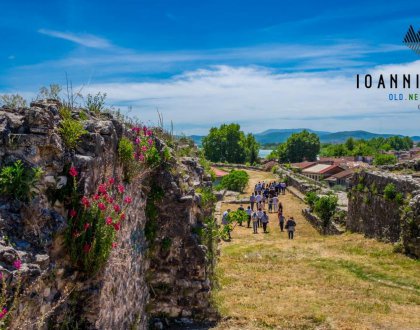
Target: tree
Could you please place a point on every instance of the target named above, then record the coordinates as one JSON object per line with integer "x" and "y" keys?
{"x": 298, "y": 147}
{"x": 325, "y": 208}
{"x": 350, "y": 144}
{"x": 229, "y": 144}
{"x": 236, "y": 180}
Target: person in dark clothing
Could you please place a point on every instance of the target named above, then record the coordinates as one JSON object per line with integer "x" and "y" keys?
{"x": 281, "y": 219}
{"x": 249, "y": 214}
{"x": 264, "y": 221}
{"x": 252, "y": 201}
{"x": 291, "y": 226}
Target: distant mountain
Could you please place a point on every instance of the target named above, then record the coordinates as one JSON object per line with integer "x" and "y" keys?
{"x": 281, "y": 135}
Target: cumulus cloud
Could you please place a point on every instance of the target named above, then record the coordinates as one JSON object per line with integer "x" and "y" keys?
{"x": 260, "y": 98}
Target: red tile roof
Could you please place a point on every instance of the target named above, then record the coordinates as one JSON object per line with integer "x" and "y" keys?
{"x": 303, "y": 165}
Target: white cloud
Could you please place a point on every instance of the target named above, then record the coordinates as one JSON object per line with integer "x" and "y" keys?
{"x": 87, "y": 40}
{"x": 260, "y": 98}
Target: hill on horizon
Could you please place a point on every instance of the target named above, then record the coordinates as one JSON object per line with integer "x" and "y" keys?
{"x": 281, "y": 135}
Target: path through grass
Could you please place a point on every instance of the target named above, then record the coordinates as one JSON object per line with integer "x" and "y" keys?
{"x": 313, "y": 282}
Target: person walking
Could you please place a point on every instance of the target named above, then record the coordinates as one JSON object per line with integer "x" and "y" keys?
{"x": 249, "y": 213}
{"x": 252, "y": 201}
{"x": 255, "y": 222}
{"x": 291, "y": 226}
{"x": 241, "y": 208}
{"x": 275, "y": 203}
{"x": 281, "y": 220}
{"x": 283, "y": 188}
{"x": 260, "y": 214}
{"x": 270, "y": 204}
{"x": 264, "y": 221}
{"x": 225, "y": 221}
{"x": 258, "y": 199}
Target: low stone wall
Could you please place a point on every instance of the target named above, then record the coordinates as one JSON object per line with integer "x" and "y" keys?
{"x": 240, "y": 166}
{"x": 374, "y": 215}
{"x": 331, "y": 229}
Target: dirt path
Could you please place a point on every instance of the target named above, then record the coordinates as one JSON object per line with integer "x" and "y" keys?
{"x": 313, "y": 282}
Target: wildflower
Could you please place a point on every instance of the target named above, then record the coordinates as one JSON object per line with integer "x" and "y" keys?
{"x": 136, "y": 129}
{"x": 122, "y": 216}
{"x": 128, "y": 200}
{"x": 150, "y": 142}
{"x": 116, "y": 226}
{"x": 114, "y": 245}
{"x": 111, "y": 181}
{"x": 137, "y": 141}
{"x": 85, "y": 201}
{"x": 144, "y": 130}
{"x": 108, "y": 221}
{"x": 86, "y": 248}
{"x": 17, "y": 264}
{"x": 102, "y": 188}
{"x": 149, "y": 133}
{"x": 76, "y": 234}
{"x": 141, "y": 157}
{"x": 72, "y": 213}
{"x": 143, "y": 148}
{"x": 96, "y": 197}
{"x": 120, "y": 188}
{"x": 73, "y": 172}
{"x": 3, "y": 312}
{"x": 110, "y": 200}
{"x": 86, "y": 226}
{"x": 101, "y": 206}
{"x": 117, "y": 208}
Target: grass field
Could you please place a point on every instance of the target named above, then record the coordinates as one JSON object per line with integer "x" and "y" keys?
{"x": 313, "y": 282}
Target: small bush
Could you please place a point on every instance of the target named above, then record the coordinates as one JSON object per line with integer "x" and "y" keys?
{"x": 13, "y": 101}
{"x": 207, "y": 197}
{"x": 71, "y": 130}
{"x": 384, "y": 159}
{"x": 236, "y": 180}
{"x": 390, "y": 192}
{"x": 51, "y": 92}
{"x": 311, "y": 198}
{"x": 96, "y": 103}
{"x": 18, "y": 182}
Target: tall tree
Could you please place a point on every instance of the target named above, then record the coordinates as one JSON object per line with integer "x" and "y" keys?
{"x": 300, "y": 146}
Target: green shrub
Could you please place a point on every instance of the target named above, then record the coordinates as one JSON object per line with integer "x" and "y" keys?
{"x": 71, "y": 130}
{"x": 390, "y": 192}
{"x": 360, "y": 187}
{"x": 166, "y": 244}
{"x": 126, "y": 155}
{"x": 274, "y": 169}
{"x": 236, "y": 180}
{"x": 237, "y": 216}
{"x": 384, "y": 159}
{"x": 13, "y": 101}
{"x": 18, "y": 181}
{"x": 325, "y": 208}
{"x": 96, "y": 103}
{"x": 311, "y": 198}
{"x": 207, "y": 196}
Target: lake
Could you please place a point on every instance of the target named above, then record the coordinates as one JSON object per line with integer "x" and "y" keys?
{"x": 264, "y": 153}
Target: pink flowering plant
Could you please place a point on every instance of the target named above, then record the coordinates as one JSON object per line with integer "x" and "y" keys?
{"x": 138, "y": 151}
{"x": 93, "y": 223}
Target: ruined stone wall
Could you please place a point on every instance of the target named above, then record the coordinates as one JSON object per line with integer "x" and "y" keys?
{"x": 371, "y": 213}
{"x": 124, "y": 294}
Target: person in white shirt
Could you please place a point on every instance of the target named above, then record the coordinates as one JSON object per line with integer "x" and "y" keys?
{"x": 225, "y": 221}
{"x": 249, "y": 213}
{"x": 275, "y": 203}
{"x": 258, "y": 199}
{"x": 260, "y": 215}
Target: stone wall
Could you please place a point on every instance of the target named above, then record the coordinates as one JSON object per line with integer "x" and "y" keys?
{"x": 371, "y": 213}
{"x": 124, "y": 295}
{"x": 332, "y": 229}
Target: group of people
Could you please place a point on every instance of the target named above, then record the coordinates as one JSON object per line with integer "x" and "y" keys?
{"x": 266, "y": 193}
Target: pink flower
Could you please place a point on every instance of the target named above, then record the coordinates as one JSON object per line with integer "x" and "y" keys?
{"x": 85, "y": 201}
{"x": 128, "y": 200}
{"x": 108, "y": 221}
{"x": 111, "y": 181}
{"x": 122, "y": 216}
{"x": 116, "y": 226}
{"x": 3, "y": 312}
{"x": 102, "y": 188}
{"x": 143, "y": 148}
{"x": 141, "y": 157}
{"x": 117, "y": 208}
{"x": 149, "y": 133}
{"x": 120, "y": 188}
{"x": 17, "y": 264}
{"x": 137, "y": 141}
{"x": 144, "y": 129}
{"x": 86, "y": 226}
{"x": 110, "y": 200}
{"x": 101, "y": 206}
{"x": 114, "y": 245}
{"x": 96, "y": 197}
{"x": 73, "y": 171}
{"x": 86, "y": 248}
{"x": 72, "y": 213}
{"x": 150, "y": 142}
{"x": 136, "y": 129}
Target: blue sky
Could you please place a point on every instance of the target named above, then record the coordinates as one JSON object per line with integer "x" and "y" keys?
{"x": 264, "y": 64}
